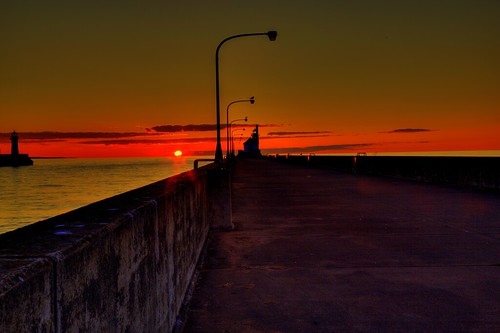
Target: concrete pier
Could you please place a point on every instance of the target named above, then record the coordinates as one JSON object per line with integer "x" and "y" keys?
{"x": 122, "y": 264}
{"x": 316, "y": 250}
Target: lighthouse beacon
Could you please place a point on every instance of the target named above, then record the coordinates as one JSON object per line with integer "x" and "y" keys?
{"x": 14, "y": 138}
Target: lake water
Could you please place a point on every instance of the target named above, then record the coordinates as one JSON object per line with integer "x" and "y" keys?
{"x": 54, "y": 186}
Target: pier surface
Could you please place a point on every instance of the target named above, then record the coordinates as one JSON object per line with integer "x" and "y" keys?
{"x": 315, "y": 250}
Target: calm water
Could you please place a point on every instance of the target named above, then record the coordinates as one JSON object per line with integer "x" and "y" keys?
{"x": 54, "y": 186}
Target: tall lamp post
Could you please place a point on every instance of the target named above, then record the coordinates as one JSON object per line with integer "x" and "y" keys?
{"x": 251, "y": 100}
{"x": 232, "y": 138}
{"x": 272, "y": 37}
{"x": 230, "y": 126}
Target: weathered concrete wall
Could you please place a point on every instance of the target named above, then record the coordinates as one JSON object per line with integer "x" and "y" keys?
{"x": 474, "y": 172}
{"x": 119, "y": 265}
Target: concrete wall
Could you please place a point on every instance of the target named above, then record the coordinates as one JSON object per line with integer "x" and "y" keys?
{"x": 473, "y": 172}
{"x": 119, "y": 265}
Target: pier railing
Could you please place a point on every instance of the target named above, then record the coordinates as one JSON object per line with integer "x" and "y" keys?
{"x": 482, "y": 173}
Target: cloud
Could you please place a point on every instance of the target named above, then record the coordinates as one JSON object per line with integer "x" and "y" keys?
{"x": 311, "y": 149}
{"x": 199, "y": 127}
{"x": 61, "y": 136}
{"x": 293, "y": 136}
{"x": 184, "y": 128}
{"x": 298, "y": 133}
{"x": 409, "y": 130}
{"x": 147, "y": 141}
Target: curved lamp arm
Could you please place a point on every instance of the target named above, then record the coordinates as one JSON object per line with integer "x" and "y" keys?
{"x": 251, "y": 100}
{"x": 272, "y": 37}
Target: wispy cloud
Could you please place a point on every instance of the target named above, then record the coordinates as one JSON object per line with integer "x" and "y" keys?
{"x": 61, "y": 136}
{"x": 311, "y": 149}
{"x": 148, "y": 141}
{"x": 199, "y": 127}
{"x": 183, "y": 128}
{"x": 297, "y": 133}
{"x": 409, "y": 130}
{"x": 293, "y": 136}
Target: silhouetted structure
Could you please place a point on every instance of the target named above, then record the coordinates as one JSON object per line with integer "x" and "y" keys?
{"x": 272, "y": 37}
{"x": 14, "y": 138}
{"x": 14, "y": 158}
{"x": 251, "y": 146}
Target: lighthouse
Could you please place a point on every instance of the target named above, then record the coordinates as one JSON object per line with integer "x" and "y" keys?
{"x": 14, "y": 144}
{"x": 14, "y": 159}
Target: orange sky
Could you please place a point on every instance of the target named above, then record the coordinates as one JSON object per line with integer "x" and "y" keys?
{"x": 342, "y": 76}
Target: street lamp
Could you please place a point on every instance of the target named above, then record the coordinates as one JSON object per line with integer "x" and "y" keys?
{"x": 230, "y": 126}
{"x": 232, "y": 138}
{"x": 251, "y": 100}
{"x": 272, "y": 37}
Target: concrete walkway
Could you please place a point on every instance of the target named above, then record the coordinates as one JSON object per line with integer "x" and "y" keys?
{"x": 320, "y": 251}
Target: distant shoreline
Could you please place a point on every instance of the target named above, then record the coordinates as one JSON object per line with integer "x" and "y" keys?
{"x": 50, "y": 157}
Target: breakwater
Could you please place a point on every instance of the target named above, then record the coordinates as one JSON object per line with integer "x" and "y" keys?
{"x": 122, "y": 264}
{"x": 482, "y": 173}
{"x": 15, "y": 160}
{"x": 323, "y": 251}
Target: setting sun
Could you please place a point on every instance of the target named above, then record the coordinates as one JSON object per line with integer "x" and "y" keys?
{"x": 178, "y": 153}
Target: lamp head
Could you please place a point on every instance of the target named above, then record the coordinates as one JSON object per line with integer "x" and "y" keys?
{"x": 272, "y": 35}
{"x": 252, "y": 100}
{"x": 246, "y": 118}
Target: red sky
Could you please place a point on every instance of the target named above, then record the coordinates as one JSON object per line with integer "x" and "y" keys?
{"x": 96, "y": 79}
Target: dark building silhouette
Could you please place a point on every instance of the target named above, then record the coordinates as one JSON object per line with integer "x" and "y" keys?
{"x": 251, "y": 146}
{"x": 14, "y": 158}
{"x": 14, "y": 138}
